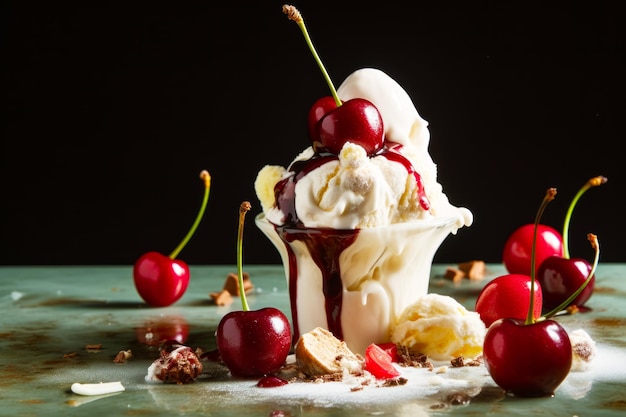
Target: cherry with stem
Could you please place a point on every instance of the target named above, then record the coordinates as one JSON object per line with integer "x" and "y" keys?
{"x": 538, "y": 366}
{"x": 162, "y": 280}
{"x": 252, "y": 343}
{"x": 331, "y": 122}
{"x": 560, "y": 276}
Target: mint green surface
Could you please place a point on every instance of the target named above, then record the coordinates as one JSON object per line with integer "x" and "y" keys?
{"x": 48, "y": 313}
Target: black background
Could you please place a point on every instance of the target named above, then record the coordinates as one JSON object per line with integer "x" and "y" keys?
{"x": 111, "y": 112}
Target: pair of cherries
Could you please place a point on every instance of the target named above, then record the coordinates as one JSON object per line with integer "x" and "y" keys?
{"x": 558, "y": 274}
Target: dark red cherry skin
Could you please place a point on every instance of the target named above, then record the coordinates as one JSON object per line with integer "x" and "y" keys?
{"x": 527, "y": 360}
{"x": 357, "y": 121}
{"x": 517, "y": 251}
{"x": 254, "y": 343}
{"x": 561, "y": 277}
{"x": 508, "y": 296}
{"x": 159, "y": 280}
{"x": 322, "y": 106}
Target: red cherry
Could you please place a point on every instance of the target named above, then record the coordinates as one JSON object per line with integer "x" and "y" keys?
{"x": 357, "y": 121}
{"x": 331, "y": 125}
{"x": 531, "y": 357}
{"x": 159, "y": 280}
{"x": 156, "y": 331}
{"x": 379, "y": 363}
{"x": 528, "y": 360}
{"x": 508, "y": 296}
{"x": 317, "y": 111}
{"x": 254, "y": 343}
{"x": 561, "y": 276}
{"x": 516, "y": 255}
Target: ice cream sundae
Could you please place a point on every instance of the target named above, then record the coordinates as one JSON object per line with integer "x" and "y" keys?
{"x": 358, "y": 216}
{"x": 357, "y": 231}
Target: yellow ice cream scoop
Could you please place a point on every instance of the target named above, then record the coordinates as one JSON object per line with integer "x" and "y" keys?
{"x": 440, "y": 327}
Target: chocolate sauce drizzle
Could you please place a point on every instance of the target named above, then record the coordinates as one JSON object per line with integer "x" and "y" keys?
{"x": 325, "y": 246}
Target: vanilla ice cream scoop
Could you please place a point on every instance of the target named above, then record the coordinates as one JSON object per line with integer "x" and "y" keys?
{"x": 438, "y": 326}
{"x": 353, "y": 190}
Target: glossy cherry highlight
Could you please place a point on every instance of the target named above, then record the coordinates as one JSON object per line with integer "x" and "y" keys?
{"x": 531, "y": 357}
{"x": 162, "y": 280}
{"x": 252, "y": 343}
{"x": 333, "y": 123}
{"x": 560, "y": 276}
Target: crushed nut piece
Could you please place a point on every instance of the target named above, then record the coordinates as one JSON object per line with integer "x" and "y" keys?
{"x": 395, "y": 382}
{"x": 123, "y": 356}
{"x": 474, "y": 270}
{"x": 573, "y": 309}
{"x": 232, "y": 284}
{"x": 416, "y": 360}
{"x": 94, "y": 347}
{"x": 454, "y": 274}
{"x": 457, "y": 362}
{"x": 222, "y": 298}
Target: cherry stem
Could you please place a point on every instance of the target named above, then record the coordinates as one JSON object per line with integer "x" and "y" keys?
{"x": 206, "y": 177}
{"x": 550, "y": 193}
{"x": 243, "y": 209}
{"x": 293, "y": 14}
{"x": 593, "y": 182}
{"x": 593, "y": 239}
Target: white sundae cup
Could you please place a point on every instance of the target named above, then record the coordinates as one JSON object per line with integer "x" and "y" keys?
{"x": 356, "y": 283}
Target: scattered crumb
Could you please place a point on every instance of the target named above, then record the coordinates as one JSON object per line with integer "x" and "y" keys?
{"x": 232, "y": 284}
{"x": 573, "y": 309}
{"x": 461, "y": 362}
{"x": 231, "y": 289}
{"x": 93, "y": 348}
{"x": 457, "y": 362}
{"x": 454, "y": 274}
{"x": 123, "y": 356}
{"x": 440, "y": 369}
{"x": 223, "y": 298}
{"x": 416, "y": 360}
{"x": 473, "y": 270}
{"x": 70, "y": 355}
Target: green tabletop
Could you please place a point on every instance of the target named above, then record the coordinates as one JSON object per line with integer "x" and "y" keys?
{"x": 61, "y": 325}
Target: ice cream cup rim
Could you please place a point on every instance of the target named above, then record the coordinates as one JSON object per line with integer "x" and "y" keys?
{"x": 420, "y": 224}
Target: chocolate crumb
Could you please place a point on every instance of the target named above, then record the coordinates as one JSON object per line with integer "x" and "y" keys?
{"x": 416, "y": 360}
{"x": 94, "y": 347}
{"x": 454, "y": 274}
{"x": 222, "y": 298}
{"x": 123, "y": 356}
{"x": 474, "y": 270}
{"x": 457, "y": 362}
{"x": 395, "y": 382}
{"x": 232, "y": 283}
